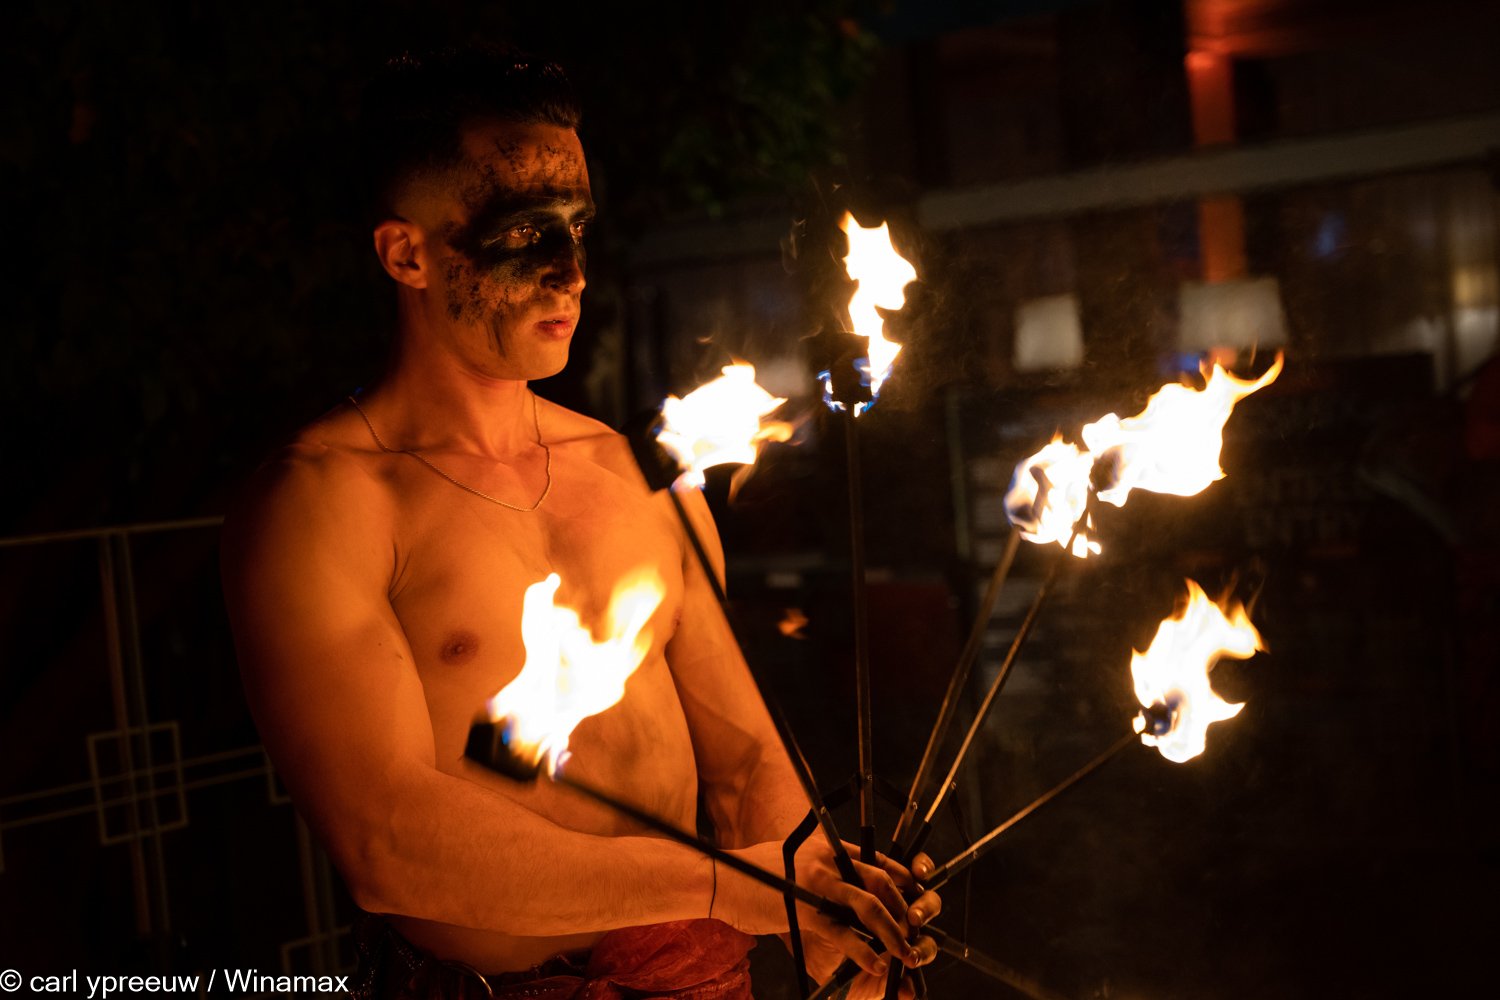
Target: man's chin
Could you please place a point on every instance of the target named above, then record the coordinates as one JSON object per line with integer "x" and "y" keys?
{"x": 525, "y": 355}
{"x": 549, "y": 362}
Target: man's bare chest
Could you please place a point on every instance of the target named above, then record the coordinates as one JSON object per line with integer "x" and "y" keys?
{"x": 463, "y": 565}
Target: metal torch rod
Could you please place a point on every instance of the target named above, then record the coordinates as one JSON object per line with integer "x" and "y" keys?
{"x": 822, "y": 904}
{"x": 789, "y": 743}
{"x": 703, "y": 561}
{"x": 948, "y": 869}
{"x": 861, "y": 642}
{"x": 961, "y": 950}
{"x": 919, "y": 837}
{"x": 992, "y": 967}
{"x": 956, "y": 685}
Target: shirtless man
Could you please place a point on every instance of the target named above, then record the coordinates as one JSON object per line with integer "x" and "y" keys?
{"x": 375, "y": 576}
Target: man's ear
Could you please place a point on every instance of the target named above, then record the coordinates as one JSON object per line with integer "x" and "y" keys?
{"x": 402, "y": 252}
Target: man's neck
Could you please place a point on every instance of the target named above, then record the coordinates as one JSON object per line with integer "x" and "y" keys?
{"x": 430, "y": 403}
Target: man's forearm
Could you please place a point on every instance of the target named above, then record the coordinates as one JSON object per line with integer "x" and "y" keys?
{"x": 445, "y": 849}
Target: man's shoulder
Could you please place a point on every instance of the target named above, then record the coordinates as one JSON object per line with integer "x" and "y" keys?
{"x": 588, "y": 438}
{"x": 325, "y": 477}
{"x": 563, "y": 426}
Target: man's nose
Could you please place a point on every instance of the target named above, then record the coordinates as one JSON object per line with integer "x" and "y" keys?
{"x": 565, "y": 271}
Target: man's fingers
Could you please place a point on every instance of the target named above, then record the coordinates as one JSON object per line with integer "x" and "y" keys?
{"x": 922, "y": 866}
{"x": 895, "y": 869}
{"x": 926, "y": 950}
{"x": 924, "y": 908}
{"x": 875, "y": 989}
{"x": 846, "y": 940}
{"x": 884, "y": 888}
{"x": 866, "y": 987}
{"x": 878, "y": 921}
{"x": 898, "y": 873}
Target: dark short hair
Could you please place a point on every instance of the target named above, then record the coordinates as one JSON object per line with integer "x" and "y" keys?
{"x": 416, "y": 108}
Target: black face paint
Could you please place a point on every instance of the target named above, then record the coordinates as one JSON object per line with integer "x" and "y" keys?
{"x": 548, "y": 246}
{"x": 510, "y": 232}
{"x": 509, "y": 248}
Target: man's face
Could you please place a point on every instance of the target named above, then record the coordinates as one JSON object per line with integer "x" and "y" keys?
{"x": 507, "y": 245}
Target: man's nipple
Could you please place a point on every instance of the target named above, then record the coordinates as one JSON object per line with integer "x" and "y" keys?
{"x": 459, "y": 647}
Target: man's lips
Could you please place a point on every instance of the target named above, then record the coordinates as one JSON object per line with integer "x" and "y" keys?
{"x": 558, "y": 326}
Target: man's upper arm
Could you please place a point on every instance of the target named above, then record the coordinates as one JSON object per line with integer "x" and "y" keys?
{"x": 327, "y": 670}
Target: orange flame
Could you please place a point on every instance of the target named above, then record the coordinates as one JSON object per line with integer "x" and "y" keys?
{"x": 1173, "y": 445}
{"x": 792, "y": 623}
{"x": 720, "y": 422}
{"x": 1171, "y": 676}
{"x": 568, "y": 676}
{"x": 882, "y": 274}
{"x": 1049, "y": 495}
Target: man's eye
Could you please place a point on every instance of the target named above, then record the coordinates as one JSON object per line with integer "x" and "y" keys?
{"x": 525, "y": 234}
{"x": 579, "y": 230}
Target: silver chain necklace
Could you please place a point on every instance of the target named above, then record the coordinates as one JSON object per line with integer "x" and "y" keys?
{"x": 535, "y": 419}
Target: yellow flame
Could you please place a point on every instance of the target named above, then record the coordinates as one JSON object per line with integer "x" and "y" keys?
{"x": 1049, "y": 494}
{"x": 882, "y": 274}
{"x": 568, "y": 676}
{"x": 720, "y": 422}
{"x": 1173, "y": 671}
{"x": 1173, "y": 445}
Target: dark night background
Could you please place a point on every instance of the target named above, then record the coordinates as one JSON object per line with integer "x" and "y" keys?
{"x": 1092, "y": 191}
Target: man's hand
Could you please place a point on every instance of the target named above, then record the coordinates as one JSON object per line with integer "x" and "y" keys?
{"x": 822, "y": 960}
{"x": 880, "y": 905}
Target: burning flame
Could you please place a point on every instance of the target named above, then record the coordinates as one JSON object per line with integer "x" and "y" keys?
{"x": 1049, "y": 495}
{"x": 568, "y": 676}
{"x": 882, "y": 274}
{"x": 720, "y": 422}
{"x": 1173, "y": 445}
{"x": 1171, "y": 676}
{"x": 792, "y": 623}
